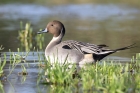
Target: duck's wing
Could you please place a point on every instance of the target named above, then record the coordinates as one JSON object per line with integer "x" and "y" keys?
{"x": 85, "y": 48}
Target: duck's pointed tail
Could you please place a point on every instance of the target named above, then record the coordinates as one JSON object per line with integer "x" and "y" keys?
{"x": 124, "y": 48}
{"x": 105, "y": 53}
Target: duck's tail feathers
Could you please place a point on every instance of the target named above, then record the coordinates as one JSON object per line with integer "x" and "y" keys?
{"x": 101, "y": 55}
{"x": 124, "y": 48}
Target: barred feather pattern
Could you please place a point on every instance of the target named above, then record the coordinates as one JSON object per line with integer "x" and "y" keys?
{"x": 84, "y": 47}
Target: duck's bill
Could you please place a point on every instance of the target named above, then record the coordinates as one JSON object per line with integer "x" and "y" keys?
{"x": 43, "y": 31}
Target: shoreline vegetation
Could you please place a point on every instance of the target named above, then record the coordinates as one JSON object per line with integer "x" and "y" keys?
{"x": 102, "y": 77}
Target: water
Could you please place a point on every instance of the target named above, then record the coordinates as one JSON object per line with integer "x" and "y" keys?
{"x": 84, "y": 11}
{"x": 112, "y": 24}
{"x": 116, "y": 25}
{"x": 17, "y": 82}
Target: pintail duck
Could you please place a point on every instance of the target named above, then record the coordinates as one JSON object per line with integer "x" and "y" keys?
{"x": 73, "y": 51}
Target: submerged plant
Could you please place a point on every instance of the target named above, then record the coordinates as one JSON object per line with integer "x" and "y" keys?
{"x": 24, "y": 71}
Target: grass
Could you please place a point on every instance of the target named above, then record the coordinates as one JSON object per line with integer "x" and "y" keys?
{"x": 16, "y": 59}
{"x": 25, "y": 36}
{"x": 99, "y": 78}
{"x": 2, "y": 63}
{"x": 28, "y": 38}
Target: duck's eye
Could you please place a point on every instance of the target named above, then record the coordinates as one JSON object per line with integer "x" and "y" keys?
{"x": 52, "y": 25}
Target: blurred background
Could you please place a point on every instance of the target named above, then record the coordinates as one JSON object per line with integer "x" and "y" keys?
{"x": 115, "y": 23}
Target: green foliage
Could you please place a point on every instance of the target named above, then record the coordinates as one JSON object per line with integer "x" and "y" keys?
{"x": 17, "y": 58}
{"x": 25, "y": 36}
{"x": 2, "y": 64}
{"x": 29, "y": 38}
{"x": 58, "y": 74}
{"x": 1, "y": 88}
{"x": 99, "y": 78}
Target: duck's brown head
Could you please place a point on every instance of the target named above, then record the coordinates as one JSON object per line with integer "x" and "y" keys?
{"x": 55, "y": 27}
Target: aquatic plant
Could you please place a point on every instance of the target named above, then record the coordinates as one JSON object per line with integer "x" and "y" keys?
{"x": 24, "y": 71}
{"x": 29, "y": 39}
{"x": 2, "y": 64}
{"x": 1, "y": 47}
{"x": 40, "y": 41}
{"x": 101, "y": 77}
{"x": 1, "y": 88}
{"x": 25, "y": 36}
{"x": 16, "y": 58}
{"x": 58, "y": 74}
{"x": 19, "y": 56}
